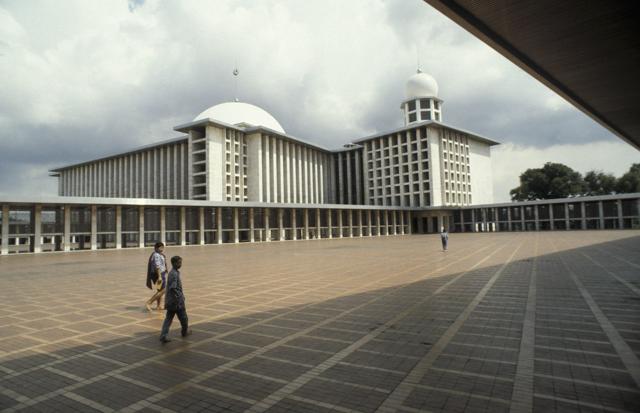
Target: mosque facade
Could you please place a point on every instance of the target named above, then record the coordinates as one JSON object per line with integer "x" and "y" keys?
{"x": 238, "y": 152}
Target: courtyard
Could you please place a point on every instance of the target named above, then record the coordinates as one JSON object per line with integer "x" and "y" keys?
{"x": 500, "y": 322}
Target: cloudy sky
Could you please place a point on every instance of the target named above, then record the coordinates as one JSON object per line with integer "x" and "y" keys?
{"x": 81, "y": 79}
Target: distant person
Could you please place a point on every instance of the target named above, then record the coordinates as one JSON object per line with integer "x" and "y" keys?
{"x": 156, "y": 276}
{"x": 444, "y": 237}
{"x": 175, "y": 302}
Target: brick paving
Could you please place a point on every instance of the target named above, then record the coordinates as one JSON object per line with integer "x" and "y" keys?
{"x": 501, "y": 322}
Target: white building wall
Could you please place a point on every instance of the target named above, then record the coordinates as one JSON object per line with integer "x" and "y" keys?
{"x": 435, "y": 166}
{"x": 481, "y": 173}
{"x": 215, "y": 156}
{"x": 255, "y": 168}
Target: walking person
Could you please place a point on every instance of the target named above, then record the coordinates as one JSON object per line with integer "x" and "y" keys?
{"x": 175, "y": 302}
{"x": 156, "y": 276}
{"x": 444, "y": 237}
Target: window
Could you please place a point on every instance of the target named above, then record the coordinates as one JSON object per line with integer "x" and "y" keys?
{"x": 412, "y": 117}
{"x": 425, "y": 104}
{"x": 425, "y": 115}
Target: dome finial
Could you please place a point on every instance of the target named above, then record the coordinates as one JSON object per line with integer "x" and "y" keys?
{"x": 236, "y": 72}
{"x": 418, "y": 70}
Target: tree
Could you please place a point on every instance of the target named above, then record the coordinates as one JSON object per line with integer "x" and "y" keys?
{"x": 553, "y": 180}
{"x": 599, "y": 183}
{"x": 630, "y": 181}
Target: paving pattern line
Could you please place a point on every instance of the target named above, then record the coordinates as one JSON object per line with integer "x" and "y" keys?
{"x": 522, "y": 397}
{"x": 633, "y": 264}
{"x": 88, "y": 402}
{"x": 626, "y": 354}
{"x": 25, "y": 402}
{"x": 135, "y": 322}
{"x": 626, "y": 283}
{"x": 273, "y": 398}
{"x": 591, "y": 406}
{"x": 131, "y": 341}
{"x": 322, "y": 404}
{"x": 460, "y": 393}
{"x": 404, "y": 388}
{"x": 316, "y": 371}
{"x": 590, "y": 383}
{"x": 142, "y": 404}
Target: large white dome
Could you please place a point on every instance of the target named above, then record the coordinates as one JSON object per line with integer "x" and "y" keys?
{"x": 421, "y": 85}
{"x": 235, "y": 113}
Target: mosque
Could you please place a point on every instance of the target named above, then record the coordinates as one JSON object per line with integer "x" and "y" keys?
{"x": 235, "y": 175}
{"x": 236, "y": 151}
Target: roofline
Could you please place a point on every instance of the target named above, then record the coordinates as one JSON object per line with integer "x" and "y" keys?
{"x": 434, "y": 123}
{"x": 586, "y": 198}
{"x": 69, "y": 200}
{"x": 186, "y": 127}
{"x": 171, "y": 141}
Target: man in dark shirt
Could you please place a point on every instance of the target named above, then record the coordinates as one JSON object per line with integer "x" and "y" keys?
{"x": 174, "y": 302}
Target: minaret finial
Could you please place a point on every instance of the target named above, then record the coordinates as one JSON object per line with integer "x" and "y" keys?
{"x": 418, "y": 70}
{"x": 236, "y": 72}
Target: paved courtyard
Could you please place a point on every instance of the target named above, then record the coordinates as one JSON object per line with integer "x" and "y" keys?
{"x": 501, "y": 322}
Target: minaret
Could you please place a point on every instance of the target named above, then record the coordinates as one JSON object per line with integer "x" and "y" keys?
{"x": 421, "y": 99}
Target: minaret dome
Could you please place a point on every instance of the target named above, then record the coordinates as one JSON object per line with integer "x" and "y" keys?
{"x": 421, "y": 99}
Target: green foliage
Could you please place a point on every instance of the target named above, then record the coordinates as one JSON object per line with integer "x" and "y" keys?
{"x": 630, "y": 181}
{"x": 555, "y": 180}
{"x": 599, "y": 183}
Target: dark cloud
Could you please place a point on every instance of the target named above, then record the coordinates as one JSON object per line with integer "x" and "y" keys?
{"x": 101, "y": 79}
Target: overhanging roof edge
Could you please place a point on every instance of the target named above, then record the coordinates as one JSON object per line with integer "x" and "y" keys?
{"x": 476, "y": 27}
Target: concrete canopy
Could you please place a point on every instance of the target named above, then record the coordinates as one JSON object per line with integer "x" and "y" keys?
{"x": 587, "y": 52}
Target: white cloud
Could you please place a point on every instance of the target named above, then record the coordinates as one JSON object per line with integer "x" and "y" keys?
{"x": 98, "y": 77}
{"x": 509, "y": 161}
